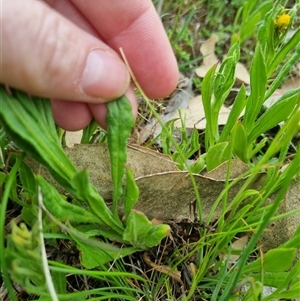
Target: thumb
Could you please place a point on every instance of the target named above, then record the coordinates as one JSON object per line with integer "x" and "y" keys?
{"x": 44, "y": 54}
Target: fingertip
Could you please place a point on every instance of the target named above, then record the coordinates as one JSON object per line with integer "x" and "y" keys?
{"x": 162, "y": 85}
{"x": 71, "y": 116}
{"x": 99, "y": 111}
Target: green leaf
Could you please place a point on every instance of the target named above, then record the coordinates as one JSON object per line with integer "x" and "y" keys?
{"x": 131, "y": 193}
{"x": 29, "y": 123}
{"x": 91, "y": 230}
{"x": 29, "y": 215}
{"x": 225, "y": 77}
{"x": 251, "y": 16}
{"x": 92, "y": 256}
{"x": 217, "y": 154}
{"x": 156, "y": 234}
{"x": 276, "y": 113}
{"x": 207, "y": 92}
{"x": 88, "y": 132}
{"x": 27, "y": 179}
{"x": 166, "y": 133}
{"x": 255, "y": 289}
{"x": 62, "y": 209}
{"x": 275, "y": 260}
{"x": 86, "y": 191}
{"x": 95, "y": 252}
{"x": 284, "y": 136}
{"x": 198, "y": 165}
{"x": 283, "y": 52}
{"x": 292, "y": 277}
{"x": 119, "y": 124}
{"x": 137, "y": 228}
{"x": 141, "y": 233}
{"x": 2, "y": 178}
{"x": 239, "y": 142}
{"x": 286, "y": 68}
{"x": 258, "y": 83}
{"x": 59, "y": 281}
{"x": 289, "y": 294}
{"x": 294, "y": 241}
{"x": 235, "y": 112}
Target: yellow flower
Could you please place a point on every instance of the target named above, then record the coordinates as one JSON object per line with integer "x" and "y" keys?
{"x": 282, "y": 22}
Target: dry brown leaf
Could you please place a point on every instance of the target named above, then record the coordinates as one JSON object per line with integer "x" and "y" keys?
{"x": 278, "y": 232}
{"x": 142, "y": 160}
{"x": 242, "y": 74}
{"x": 294, "y": 81}
{"x": 220, "y": 173}
{"x": 179, "y": 99}
{"x": 168, "y": 195}
{"x": 195, "y": 117}
{"x": 210, "y": 59}
{"x": 208, "y": 51}
{"x": 175, "y": 274}
{"x": 73, "y": 138}
{"x": 156, "y": 221}
{"x": 165, "y": 192}
{"x": 95, "y": 157}
{"x": 238, "y": 245}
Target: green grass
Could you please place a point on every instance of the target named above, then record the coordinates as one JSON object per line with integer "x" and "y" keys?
{"x": 73, "y": 247}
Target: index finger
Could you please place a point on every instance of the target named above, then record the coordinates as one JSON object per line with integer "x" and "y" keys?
{"x": 135, "y": 26}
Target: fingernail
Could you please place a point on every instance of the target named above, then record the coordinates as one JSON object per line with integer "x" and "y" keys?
{"x": 104, "y": 76}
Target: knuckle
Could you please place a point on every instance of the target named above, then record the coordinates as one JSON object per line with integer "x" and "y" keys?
{"x": 53, "y": 44}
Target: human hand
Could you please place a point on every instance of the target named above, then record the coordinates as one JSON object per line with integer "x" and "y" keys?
{"x": 66, "y": 50}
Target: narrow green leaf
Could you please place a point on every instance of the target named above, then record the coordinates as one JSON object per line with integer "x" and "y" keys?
{"x": 252, "y": 17}
{"x": 95, "y": 252}
{"x": 207, "y": 92}
{"x": 166, "y": 133}
{"x": 258, "y": 82}
{"x": 27, "y": 179}
{"x": 284, "y": 136}
{"x": 2, "y": 178}
{"x": 85, "y": 191}
{"x": 290, "y": 294}
{"x": 239, "y": 142}
{"x": 198, "y": 165}
{"x": 292, "y": 277}
{"x": 59, "y": 281}
{"x": 217, "y": 154}
{"x": 62, "y": 209}
{"x": 131, "y": 193}
{"x": 283, "y": 52}
{"x": 88, "y": 132}
{"x": 275, "y": 260}
{"x": 283, "y": 72}
{"x": 225, "y": 77}
{"x": 119, "y": 124}
{"x": 294, "y": 242}
{"x": 276, "y": 113}
{"x": 93, "y": 256}
{"x": 255, "y": 289}
{"x": 194, "y": 142}
{"x": 27, "y": 122}
{"x": 235, "y": 112}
